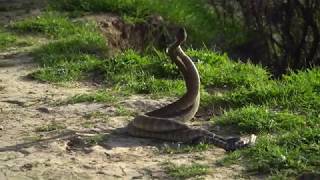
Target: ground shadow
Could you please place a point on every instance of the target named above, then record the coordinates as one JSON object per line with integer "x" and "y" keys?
{"x": 15, "y": 59}
{"x": 84, "y": 140}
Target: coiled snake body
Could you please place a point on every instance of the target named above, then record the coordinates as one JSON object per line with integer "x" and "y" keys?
{"x": 166, "y": 123}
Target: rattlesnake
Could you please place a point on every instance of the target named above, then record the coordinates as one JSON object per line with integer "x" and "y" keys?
{"x": 166, "y": 123}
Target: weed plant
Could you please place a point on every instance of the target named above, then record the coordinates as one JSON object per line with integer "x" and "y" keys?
{"x": 10, "y": 40}
{"x": 186, "y": 171}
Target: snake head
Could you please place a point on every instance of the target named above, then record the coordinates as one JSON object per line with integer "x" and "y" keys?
{"x": 235, "y": 143}
{"x": 181, "y": 35}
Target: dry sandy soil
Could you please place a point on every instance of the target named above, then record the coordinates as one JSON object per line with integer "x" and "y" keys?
{"x": 26, "y": 152}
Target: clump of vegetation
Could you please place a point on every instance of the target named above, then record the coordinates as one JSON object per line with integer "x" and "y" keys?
{"x": 95, "y": 140}
{"x": 284, "y": 114}
{"x": 167, "y": 149}
{"x": 51, "y": 24}
{"x": 75, "y": 51}
{"x": 255, "y": 119}
{"x": 186, "y": 171}
{"x": 99, "y": 96}
{"x": 8, "y": 40}
{"x": 154, "y": 73}
{"x": 195, "y": 15}
{"x": 50, "y": 127}
{"x": 94, "y": 115}
{"x": 144, "y": 74}
{"x": 80, "y": 49}
{"x": 33, "y": 138}
{"x": 123, "y": 111}
{"x": 67, "y": 71}
{"x": 217, "y": 70}
{"x": 295, "y": 93}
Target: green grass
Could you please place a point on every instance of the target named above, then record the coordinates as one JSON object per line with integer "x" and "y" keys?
{"x": 297, "y": 92}
{"x": 6, "y": 39}
{"x": 95, "y": 140}
{"x": 255, "y": 119}
{"x": 99, "y": 96}
{"x": 51, "y": 24}
{"x": 9, "y": 40}
{"x": 186, "y": 171}
{"x": 154, "y": 73}
{"x": 66, "y": 71}
{"x": 76, "y": 50}
{"x": 285, "y": 115}
{"x": 94, "y": 115}
{"x": 200, "y": 20}
{"x": 217, "y": 70}
{"x": 185, "y": 148}
{"x": 79, "y": 49}
{"x": 32, "y": 138}
{"x": 123, "y": 111}
{"x": 50, "y": 127}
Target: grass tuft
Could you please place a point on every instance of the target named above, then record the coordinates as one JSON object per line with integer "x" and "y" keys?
{"x": 50, "y": 127}
{"x": 51, "y": 24}
{"x": 6, "y": 39}
{"x": 99, "y": 96}
{"x": 9, "y": 40}
{"x": 253, "y": 119}
{"x": 185, "y": 148}
{"x": 95, "y": 140}
{"x": 186, "y": 171}
{"x": 285, "y": 115}
{"x": 76, "y": 50}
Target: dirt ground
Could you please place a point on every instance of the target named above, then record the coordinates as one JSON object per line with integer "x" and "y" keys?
{"x": 28, "y": 153}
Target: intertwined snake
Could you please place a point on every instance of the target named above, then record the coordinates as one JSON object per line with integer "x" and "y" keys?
{"x": 166, "y": 123}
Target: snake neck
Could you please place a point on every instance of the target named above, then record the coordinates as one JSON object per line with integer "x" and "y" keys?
{"x": 189, "y": 70}
{"x": 191, "y": 77}
{"x": 185, "y": 107}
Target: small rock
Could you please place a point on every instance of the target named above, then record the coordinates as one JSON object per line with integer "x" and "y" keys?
{"x": 43, "y": 110}
{"x": 107, "y": 154}
{"x": 27, "y": 167}
{"x": 137, "y": 177}
{"x": 87, "y": 166}
{"x": 17, "y": 102}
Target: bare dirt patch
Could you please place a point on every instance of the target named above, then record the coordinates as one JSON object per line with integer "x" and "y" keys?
{"x": 122, "y": 35}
